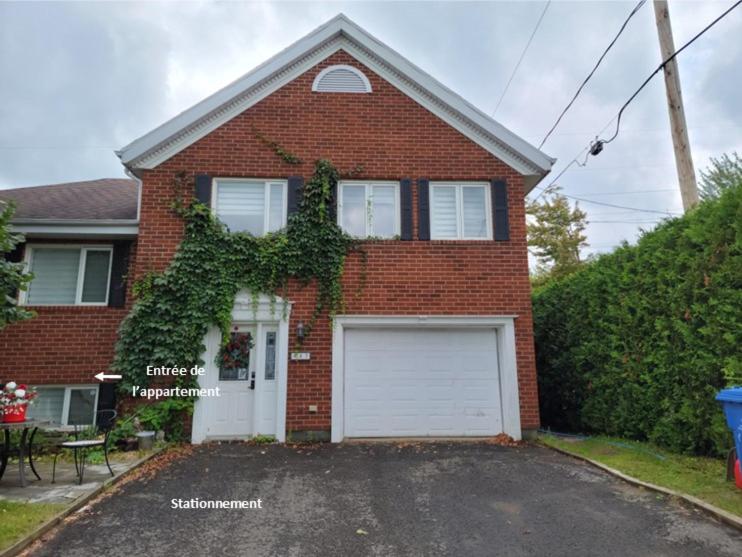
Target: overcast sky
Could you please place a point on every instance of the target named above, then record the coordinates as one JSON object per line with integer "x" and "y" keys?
{"x": 82, "y": 79}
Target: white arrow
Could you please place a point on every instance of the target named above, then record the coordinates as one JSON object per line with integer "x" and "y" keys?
{"x": 102, "y": 376}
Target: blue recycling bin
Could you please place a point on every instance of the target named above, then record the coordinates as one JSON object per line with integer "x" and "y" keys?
{"x": 731, "y": 401}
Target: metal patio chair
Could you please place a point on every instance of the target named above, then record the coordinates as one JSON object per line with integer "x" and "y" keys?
{"x": 104, "y": 423}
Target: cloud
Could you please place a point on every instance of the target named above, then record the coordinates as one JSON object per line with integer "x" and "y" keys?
{"x": 83, "y": 79}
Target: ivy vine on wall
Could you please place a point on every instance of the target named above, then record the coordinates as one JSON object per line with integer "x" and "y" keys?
{"x": 175, "y": 308}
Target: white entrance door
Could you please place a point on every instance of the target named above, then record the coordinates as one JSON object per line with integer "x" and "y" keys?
{"x": 230, "y": 415}
{"x": 248, "y": 404}
{"x": 421, "y": 382}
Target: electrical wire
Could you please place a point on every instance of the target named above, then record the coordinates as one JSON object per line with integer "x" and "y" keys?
{"x": 522, "y": 55}
{"x": 617, "y": 118}
{"x": 593, "y": 202}
{"x": 590, "y": 75}
{"x": 661, "y": 66}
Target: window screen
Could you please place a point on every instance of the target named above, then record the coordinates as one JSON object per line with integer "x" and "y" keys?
{"x": 443, "y": 218}
{"x": 251, "y": 206}
{"x": 369, "y": 210}
{"x": 48, "y": 405}
{"x": 55, "y": 276}
{"x": 459, "y": 211}
{"x": 82, "y": 407}
{"x": 95, "y": 284}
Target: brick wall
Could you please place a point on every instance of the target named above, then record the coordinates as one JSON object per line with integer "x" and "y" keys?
{"x": 62, "y": 344}
{"x": 392, "y": 137}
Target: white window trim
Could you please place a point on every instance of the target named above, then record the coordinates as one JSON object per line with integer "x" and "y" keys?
{"x": 266, "y": 197}
{"x": 460, "y": 209}
{"x": 369, "y": 214}
{"x": 356, "y": 71}
{"x": 84, "y": 248}
{"x": 65, "y": 417}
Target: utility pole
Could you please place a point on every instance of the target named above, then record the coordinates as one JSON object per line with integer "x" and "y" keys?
{"x": 680, "y": 142}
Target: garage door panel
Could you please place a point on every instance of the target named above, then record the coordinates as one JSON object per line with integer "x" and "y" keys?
{"x": 421, "y": 383}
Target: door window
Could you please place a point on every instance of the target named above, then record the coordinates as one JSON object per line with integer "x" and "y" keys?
{"x": 234, "y": 358}
{"x": 270, "y": 355}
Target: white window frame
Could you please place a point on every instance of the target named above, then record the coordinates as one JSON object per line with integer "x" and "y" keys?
{"x": 369, "y": 231}
{"x": 84, "y": 248}
{"x": 266, "y": 197}
{"x": 460, "y": 209}
{"x": 65, "y": 417}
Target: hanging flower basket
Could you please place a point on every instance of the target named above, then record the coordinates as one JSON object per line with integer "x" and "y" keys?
{"x": 14, "y": 401}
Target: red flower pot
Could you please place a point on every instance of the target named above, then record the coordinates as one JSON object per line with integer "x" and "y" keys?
{"x": 15, "y": 413}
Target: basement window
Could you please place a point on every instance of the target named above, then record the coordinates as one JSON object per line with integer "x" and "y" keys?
{"x": 65, "y": 405}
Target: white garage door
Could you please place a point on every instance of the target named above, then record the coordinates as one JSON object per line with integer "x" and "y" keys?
{"x": 421, "y": 382}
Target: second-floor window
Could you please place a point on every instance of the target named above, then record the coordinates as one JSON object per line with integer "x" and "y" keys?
{"x": 369, "y": 209}
{"x": 460, "y": 211}
{"x": 246, "y": 205}
{"x": 68, "y": 275}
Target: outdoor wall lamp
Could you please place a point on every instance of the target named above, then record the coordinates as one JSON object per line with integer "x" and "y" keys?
{"x": 300, "y": 332}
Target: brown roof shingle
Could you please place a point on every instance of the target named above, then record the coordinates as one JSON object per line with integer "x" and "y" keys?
{"x": 104, "y": 199}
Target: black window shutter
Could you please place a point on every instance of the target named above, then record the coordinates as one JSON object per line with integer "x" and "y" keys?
{"x": 296, "y": 183}
{"x": 119, "y": 268}
{"x": 405, "y": 207}
{"x": 106, "y": 396}
{"x": 15, "y": 256}
{"x": 203, "y": 189}
{"x": 423, "y": 209}
{"x": 500, "y": 210}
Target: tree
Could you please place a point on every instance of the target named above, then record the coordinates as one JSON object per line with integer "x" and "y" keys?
{"x": 555, "y": 232}
{"x": 12, "y": 275}
{"x": 722, "y": 174}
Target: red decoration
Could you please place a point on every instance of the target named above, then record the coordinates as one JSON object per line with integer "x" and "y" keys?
{"x": 15, "y": 413}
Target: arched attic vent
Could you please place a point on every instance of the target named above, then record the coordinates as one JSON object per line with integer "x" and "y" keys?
{"x": 341, "y": 79}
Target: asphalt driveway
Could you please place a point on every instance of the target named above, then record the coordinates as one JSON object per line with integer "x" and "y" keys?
{"x": 431, "y": 499}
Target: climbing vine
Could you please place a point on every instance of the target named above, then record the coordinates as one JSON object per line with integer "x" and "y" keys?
{"x": 175, "y": 308}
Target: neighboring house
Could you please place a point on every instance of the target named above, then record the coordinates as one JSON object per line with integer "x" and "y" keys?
{"x": 438, "y": 343}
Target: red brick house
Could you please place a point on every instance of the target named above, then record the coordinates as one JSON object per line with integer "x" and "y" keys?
{"x": 439, "y": 341}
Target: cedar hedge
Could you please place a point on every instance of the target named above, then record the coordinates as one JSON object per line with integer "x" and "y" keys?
{"x": 637, "y": 343}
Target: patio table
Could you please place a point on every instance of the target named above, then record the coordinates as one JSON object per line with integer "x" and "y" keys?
{"x": 25, "y": 446}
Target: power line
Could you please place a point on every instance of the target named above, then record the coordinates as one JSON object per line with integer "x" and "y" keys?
{"x": 633, "y": 192}
{"x": 600, "y": 143}
{"x": 590, "y": 75}
{"x": 623, "y": 221}
{"x": 618, "y": 206}
{"x": 522, "y": 55}
{"x": 596, "y": 147}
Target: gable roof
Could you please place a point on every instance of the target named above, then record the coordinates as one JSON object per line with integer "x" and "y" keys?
{"x": 340, "y": 33}
{"x": 107, "y": 199}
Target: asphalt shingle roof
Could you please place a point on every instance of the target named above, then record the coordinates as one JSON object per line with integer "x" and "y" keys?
{"x": 104, "y": 199}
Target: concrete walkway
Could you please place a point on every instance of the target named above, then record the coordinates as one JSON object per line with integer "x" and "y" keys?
{"x": 65, "y": 489}
{"x": 385, "y": 499}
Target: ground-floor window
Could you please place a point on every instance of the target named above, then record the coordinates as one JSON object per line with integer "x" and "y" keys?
{"x": 66, "y": 404}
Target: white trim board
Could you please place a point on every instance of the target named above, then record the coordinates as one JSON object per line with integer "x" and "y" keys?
{"x": 340, "y": 33}
{"x": 504, "y": 326}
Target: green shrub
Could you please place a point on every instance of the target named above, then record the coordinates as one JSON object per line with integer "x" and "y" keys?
{"x": 638, "y": 342}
